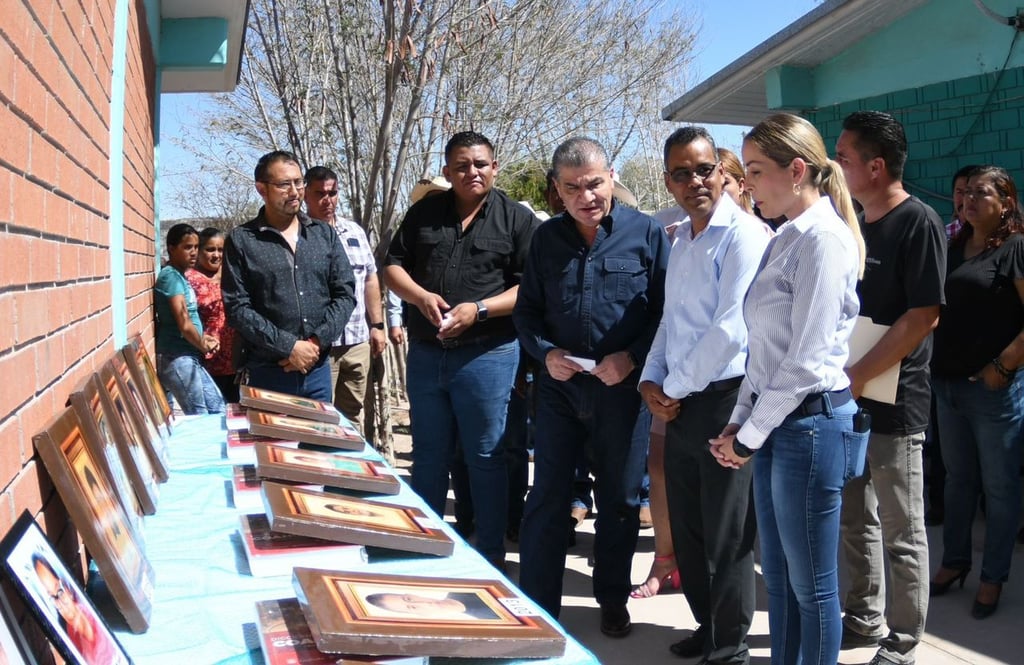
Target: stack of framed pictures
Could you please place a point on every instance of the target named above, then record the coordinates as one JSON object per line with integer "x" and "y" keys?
{"x": 274, "y": 553}
{"x": 322, "y": 468}
{"x": 67, "y": 616}
{"x": 144, "y": 372}
{"x": 346, "y": 519}
{"x": 98, "y": 516}
{"x": 380, "y": 614}
{"x": 156, "y": 433}
{"x": 290, "y": 405}
{"x": 304, "y": 430}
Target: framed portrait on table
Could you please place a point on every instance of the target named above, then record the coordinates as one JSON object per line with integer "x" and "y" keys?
{"x": 98, "y": 516}
{"x": 347, "y": 519}
{"x": 115, "y": 372}
{"x": 322, "y": 468}
{"x": 291, "y": 405}
{"x": 291, "y": 428}
{"x": 143, "y": 370}
{"x": 66, "y": 614}
{"x": 376, "y": 613}
{"x": 98, "y": 421}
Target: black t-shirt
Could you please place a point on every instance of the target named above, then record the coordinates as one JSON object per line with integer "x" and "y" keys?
{"x": 906, "y": 263}
{"x": 463, "y": 266}
{"x": 983, "y": 312}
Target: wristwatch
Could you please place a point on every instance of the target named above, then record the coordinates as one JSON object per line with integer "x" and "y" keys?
{"x": 481, "y": 311}
{"x": 377, "y": 326}
{"x": 740, "y": 449}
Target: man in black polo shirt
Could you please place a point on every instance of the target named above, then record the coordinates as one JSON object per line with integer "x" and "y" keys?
{"x": 457, "y": 259}
{"x": 287, "y": 286}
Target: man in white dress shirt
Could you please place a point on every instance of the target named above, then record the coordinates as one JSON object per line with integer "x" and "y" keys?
{"x": 691, "y": 380}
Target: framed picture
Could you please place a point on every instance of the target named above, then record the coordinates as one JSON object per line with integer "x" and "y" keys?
{"x": 307, "y": 431}
{"x": 14, "y": 648}
{"x": 143, "y": 370}
{"x": 99, "y": 518}
{"x": 375, "y": 613}
{"x": 67, "y": 616}
{"x": 307, "y": 512}
{"x": 286, "y": 640}
{"x": 90, "y": 403}
{"x": 115, "y": 372}
{"x": 292, "y": 405}
{"x": 271, "y": 553}
{"x": 322, "y": 468}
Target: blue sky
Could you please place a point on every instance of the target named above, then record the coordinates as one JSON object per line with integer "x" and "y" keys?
{"x": 729, "y": 29}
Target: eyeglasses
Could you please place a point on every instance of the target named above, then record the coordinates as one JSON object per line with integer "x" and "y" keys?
{"x": 684, "y": 176}
{"x": 285, "y": 185}
{"x": 60, "y": 594}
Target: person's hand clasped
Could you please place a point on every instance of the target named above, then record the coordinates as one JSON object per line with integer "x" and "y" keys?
{"x": 457, "y": 320}
{"x": 304, "y": 355}
{"x": 721, "y": 448}
{"x": 613, "y": 368}
{"x": 210, "y": 344}
{"x": 660, "y": 404}
{"x": 559, "y": 366}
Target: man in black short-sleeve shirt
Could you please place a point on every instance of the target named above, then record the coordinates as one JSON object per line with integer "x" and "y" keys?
{"x": 883, "y": 510}
{"x": 457, "y": 259}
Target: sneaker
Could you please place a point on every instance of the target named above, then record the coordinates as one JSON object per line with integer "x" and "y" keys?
{"x": 880, "y": 659}
{"x": 615, "y": 621}
{"x": 854, "y": 640}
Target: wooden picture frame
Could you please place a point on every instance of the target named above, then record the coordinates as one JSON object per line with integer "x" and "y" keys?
{"x": 347, "y": 519}
{"x": 143, "y": 370}
{"x": 14, "y": 647}
{"x": 322, "y": 468}
{"x": 286, "y": 640}
{"x": 291, "y": 428}
{"x": 152, "y": 440}
{"x": 56, "y": 599}
{"x": 272, "y": 401}
{"x": 375, "y": 613}
{"x": 91, "y": 403}
{"x": 94, "y": 509}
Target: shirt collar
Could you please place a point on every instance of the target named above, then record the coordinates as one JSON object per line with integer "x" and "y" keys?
{"x": 822, "y": 207}
{"x": 261, "y": 219}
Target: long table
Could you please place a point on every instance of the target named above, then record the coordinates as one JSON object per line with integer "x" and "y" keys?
{"x": 203, "y": 606}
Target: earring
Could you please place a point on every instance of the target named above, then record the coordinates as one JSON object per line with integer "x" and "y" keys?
{"x": 796, "y": 189}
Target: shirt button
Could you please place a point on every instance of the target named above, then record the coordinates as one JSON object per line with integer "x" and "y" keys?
{"x": 301, "y": 293}
{"x": 305, "y": 320}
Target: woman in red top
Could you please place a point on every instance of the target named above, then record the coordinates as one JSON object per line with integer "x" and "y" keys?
{"x": 205, "y": 280}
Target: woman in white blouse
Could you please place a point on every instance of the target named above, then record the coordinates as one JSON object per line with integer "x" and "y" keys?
{"x": 795, "y": 417}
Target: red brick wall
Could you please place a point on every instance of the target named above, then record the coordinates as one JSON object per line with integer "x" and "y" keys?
{"x": 55, "y": 221}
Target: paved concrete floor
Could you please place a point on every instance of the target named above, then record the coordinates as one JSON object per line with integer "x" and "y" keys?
{"x": 952, "y": 635}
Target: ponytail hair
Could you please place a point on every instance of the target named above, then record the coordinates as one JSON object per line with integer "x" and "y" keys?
{"x": 783, "y": 137}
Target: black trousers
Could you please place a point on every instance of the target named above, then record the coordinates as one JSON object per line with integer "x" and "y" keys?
{"x": 711, "y": 513}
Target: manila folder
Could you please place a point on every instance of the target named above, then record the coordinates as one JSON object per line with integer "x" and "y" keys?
{"x": 866, "y": 334}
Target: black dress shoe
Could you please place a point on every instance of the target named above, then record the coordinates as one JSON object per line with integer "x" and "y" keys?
{"x": 982, "y": 610}
{"x": 615, "y": 620}
{"x": 692, "y": 646}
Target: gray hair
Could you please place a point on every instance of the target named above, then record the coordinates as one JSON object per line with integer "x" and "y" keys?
{"x": 579, "y": 151}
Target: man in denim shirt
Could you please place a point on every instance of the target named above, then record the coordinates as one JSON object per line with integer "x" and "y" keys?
{"x": 588, "y": 308}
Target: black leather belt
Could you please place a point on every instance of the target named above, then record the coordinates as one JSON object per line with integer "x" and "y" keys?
{"x": 725, "y": 385}
{"x": 816, "y": 403}
{"x": 458, "y": 342}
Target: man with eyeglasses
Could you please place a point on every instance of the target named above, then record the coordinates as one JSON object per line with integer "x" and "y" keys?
{"x": 287, "y": 286}
{"x": 882, "y": 518}
{"x": 691, "y": 380}
{"x": 457, "y": 259}
{"x": 364, "y": 335}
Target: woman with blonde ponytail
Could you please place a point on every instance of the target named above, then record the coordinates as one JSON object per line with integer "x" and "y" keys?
{"x": 795, "y": 417}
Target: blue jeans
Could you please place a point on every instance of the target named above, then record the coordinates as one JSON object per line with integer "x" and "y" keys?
{"x": 185, "y": 378}
{"x": 461, "y": 394}
{"x": 315, "y": 384}
{"x": 981, "y": 446}
{"x": 608, "y": 423}
{"x": 799, "y": 475}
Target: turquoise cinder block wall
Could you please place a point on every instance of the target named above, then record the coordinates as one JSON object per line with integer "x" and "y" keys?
{"x": 973, "y": 120}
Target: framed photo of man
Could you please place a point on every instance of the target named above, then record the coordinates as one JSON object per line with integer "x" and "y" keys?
{"x": 375, "y": 613}
{"x": 96, "y": 513}
{"x": 347, "y": 519}
{"x": 115, "y": 372}
{"x": 50, "y": 591}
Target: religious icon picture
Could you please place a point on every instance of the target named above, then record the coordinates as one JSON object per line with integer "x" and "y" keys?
{"x": 347, "y": 519}
{"x": 99, "y": 517}
{"x": 376, "y": 613}
{"x": 66, "y": 614}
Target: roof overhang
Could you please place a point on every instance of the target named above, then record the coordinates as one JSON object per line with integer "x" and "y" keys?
{"x": 200, "y": 44}
{"x": 738, "y": 94}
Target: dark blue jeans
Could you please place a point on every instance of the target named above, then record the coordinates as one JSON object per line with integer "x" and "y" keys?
{"x": 315, "y": 384}
{"x": 461, "y": 394}
{"x": 799, "y": 476}
{"x": 608, "y": 423}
